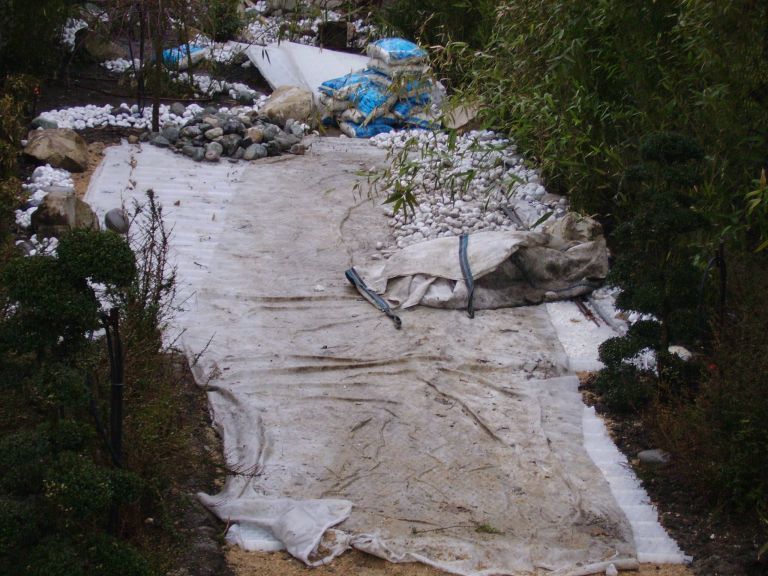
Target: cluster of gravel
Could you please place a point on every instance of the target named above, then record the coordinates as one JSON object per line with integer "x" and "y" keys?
{"x": 44, "y": 179}
{"x": 124, "y": 116}
{"x": 266, "y": 28}
{"x": 70, "y": 29}
{"x": 238, "y": 134}
{"x": 120, "y": 65}
{"x": 476, "y": 183}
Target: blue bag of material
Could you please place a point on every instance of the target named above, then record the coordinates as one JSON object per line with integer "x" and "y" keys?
{"x": 341, "y": 87}
{"x": 373, "y": 99}
{"x": 172, "y": 56}
{"x": 396, "y": 51}
{"x": 410, "y": 106}
{"x": 354, "y": 130}
{"x": 421, "y": 120}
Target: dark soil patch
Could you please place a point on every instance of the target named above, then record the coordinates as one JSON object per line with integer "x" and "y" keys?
{"x": 80, "y": 84}
{"x": 721, "y": 544}
{"x": 199, "y": 533}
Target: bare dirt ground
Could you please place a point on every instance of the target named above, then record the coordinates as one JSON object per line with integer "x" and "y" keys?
{"x": 356, "y": 563}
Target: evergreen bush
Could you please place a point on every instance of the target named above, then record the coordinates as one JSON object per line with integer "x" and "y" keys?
{"x": 654, "y": 268}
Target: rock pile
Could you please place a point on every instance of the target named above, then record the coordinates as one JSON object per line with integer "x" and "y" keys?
{"x": 478, "y": 182}
{"x": 236, "y": 134}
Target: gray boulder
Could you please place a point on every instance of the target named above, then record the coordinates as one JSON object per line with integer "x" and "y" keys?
{"x": 654, "y": 457}
{"x": 60, "y": 147}
{"x": 255, "y": 152}
{"x": 117, "y": 221}
{"x": 170, "y": 132}
{"x": 178, "y": 108}
{"x": 230, "y": 143}
{"x": 60, "y": 212}
{"x": 214, "y": 133}
{"x": 255, "y": 134}
{"x": 161, "y": 141}
{"x": 269, "y": 132}
{"x": 285, "y": 141}
{"x": 190, "y": 131}
{"x": 211, "y": 119}
{"x": 233, "y": 126}
{"x": 213, "y": 152}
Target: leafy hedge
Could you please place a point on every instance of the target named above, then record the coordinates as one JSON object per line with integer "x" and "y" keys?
{"x": 579, "y": 83}
{"x": 585, "y": 88}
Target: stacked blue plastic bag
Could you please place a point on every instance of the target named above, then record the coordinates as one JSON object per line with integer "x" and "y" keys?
{"x": 394, "y": 91}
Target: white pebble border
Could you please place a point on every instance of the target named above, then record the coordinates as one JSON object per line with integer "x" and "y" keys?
{"x": 265, "y": 29}
{"x": 125, "y": 116}
{"x": 43, "y": 177}
{"x": 501, "y": 182}
{"x": 70, "y": 29}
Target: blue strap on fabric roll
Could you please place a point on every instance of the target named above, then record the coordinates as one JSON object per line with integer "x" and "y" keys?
{"x": 355, "y": 279}
{"x": 466, "y": 271}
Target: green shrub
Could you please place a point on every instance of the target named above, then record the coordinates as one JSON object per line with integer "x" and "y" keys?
{"x": 111, "y": 557}
{"x": 576, "y": 83}
{"x": 222, "y": 20}
{"x": 18, "y": 526}
{"x": 58, "y": 386}
{"x": 718, "y": 438}
{"x": 53, "y": 556}
{"x": 30, "y": 34}
{"x": 24, "y": 456}
{"x": 77, "y": 489}
{"x": 103, "y": 257}
{"x": 69, "y": 435}
{"x": 654, "y": 268}
{"x": 437, "y": 22}
{"x": 43, "y": 315}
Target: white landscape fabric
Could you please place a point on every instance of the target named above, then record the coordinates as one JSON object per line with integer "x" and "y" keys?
{"x": 454, "y": 442}
{"x": 294, "y": 64}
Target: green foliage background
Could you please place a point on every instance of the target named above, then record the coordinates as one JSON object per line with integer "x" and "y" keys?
{"x": 580, "y": 85}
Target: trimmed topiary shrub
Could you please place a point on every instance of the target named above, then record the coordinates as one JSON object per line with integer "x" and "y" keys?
{"x": 654, "y": 268}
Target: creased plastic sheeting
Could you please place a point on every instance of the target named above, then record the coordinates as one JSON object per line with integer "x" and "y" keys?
{"x": 293, "y": 64}
{"x": 297, "y": 525}
{"x": 457, "y": 442}
{"x": 510, "y": 269}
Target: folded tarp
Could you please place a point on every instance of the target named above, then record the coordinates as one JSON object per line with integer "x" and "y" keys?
{"x": 292, "y": 64}
{"x": 507, "y": 269}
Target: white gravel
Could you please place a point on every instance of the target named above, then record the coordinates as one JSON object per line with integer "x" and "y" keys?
{"x": 265, "y": 29}
{"x": 71, "y": 27}
{"x": 43, "y": 177}
{"x": 92, "y": 116}
{"x": 480, "y": 184}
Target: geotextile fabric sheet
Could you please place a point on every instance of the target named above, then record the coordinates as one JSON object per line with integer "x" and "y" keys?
{"x": 508, "y": 269}
{"x": 453, "y": 442}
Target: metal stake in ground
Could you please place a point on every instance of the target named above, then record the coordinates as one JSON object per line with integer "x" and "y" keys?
{"x": 115, "y": 350}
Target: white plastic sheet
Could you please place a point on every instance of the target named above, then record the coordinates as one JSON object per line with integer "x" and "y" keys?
{"x": 454, "y": 442}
